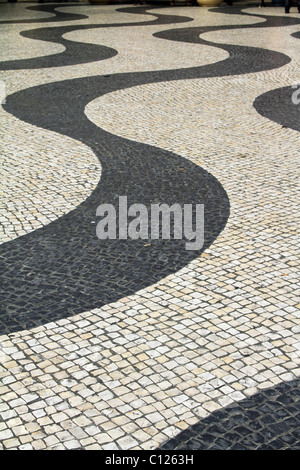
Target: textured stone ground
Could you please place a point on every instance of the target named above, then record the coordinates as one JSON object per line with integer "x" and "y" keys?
{"x": 192, "y": 352}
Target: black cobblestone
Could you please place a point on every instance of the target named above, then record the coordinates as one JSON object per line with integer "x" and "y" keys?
{"x": 273, "y": 427}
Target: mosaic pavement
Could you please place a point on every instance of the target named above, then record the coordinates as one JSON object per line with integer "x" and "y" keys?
{"x": 136, "y": 344}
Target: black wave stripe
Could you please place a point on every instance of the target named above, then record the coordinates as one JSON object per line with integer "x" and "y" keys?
{"x": 242, "y": 59}
{"x": 268, "y": 420}
{"x": 76, "y": 52}
{"x": 63, "y": 269}
{"x": 79, "y": 53}
{"x": 281, "y": 105}
{"x": 58, "y": 15}
{"x": 296, "y": 35}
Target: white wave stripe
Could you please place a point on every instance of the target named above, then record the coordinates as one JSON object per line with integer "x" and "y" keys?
{"x": 44, "y": 175}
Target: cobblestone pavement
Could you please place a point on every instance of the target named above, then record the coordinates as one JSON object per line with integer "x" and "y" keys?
{"x": 142, "y": 344}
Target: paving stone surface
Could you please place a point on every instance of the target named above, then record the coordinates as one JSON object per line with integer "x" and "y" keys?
{"x": 269, "y": 420}
{"x": 142, "y": 344}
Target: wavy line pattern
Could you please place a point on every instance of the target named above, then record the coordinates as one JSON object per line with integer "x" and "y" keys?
{"x": 58, "y": 15}
{"x": 78, "y": 272}
{"x": 265, "y": 421}
{"x": 62, "y": 269}
{"x": 77, "y": 53}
